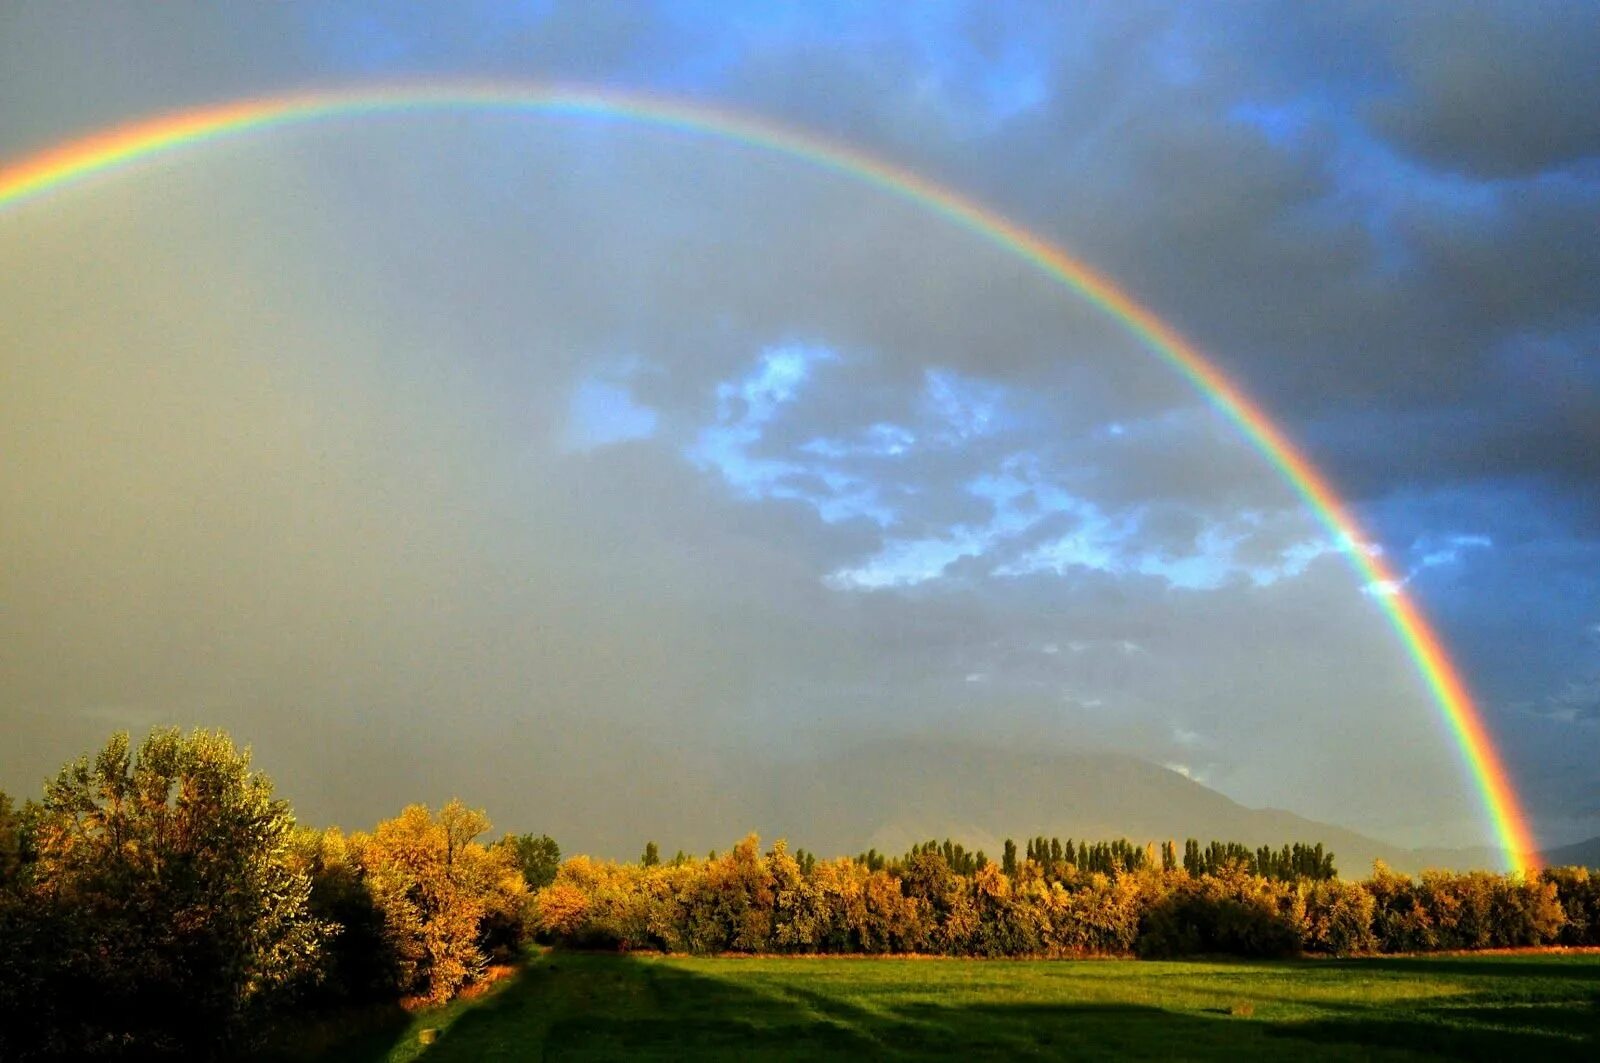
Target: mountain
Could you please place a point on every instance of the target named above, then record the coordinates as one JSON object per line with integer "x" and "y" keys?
{"x": 1578, "y": 854}
{"x": 889, "y": 794}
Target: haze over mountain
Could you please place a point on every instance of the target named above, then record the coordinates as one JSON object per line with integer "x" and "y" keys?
{"x": 890, "y": 794}
{"x": 1579, "y": 854}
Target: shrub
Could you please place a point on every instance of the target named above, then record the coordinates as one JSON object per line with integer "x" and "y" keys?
{"x": 1400, "y": 920}
{"x": 1339, "y": 918}
{"x": 1231, "y": 913}
{"x": 1524, "y": 913}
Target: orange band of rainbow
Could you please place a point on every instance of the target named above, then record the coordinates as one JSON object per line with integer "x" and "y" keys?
{"x": 52, "y": 169}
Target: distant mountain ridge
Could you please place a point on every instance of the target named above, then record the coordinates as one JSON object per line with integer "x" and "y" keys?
{"x": 891, "y": 793}
{"x": 888, "y": 795}
{"x": 1578, "y": 854}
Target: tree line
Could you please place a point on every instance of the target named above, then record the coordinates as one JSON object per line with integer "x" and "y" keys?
{"x": 160, "y": 901}
{"x": 1119, "y": 899}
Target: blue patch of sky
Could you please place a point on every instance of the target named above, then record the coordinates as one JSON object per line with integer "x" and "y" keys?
{"x": 854, "y": 475}
{"x": 1283, "y": 124}
{"x": 1383, "y": 189}
{"x": 952, "y": 410}
{"x": 357, "y": 38}
{"x": 1174, "y": 56}
{"x": 880, "y": 440}
{"x": 1020, "y": 499}
{"x": 1016, "y": 84}
{"x": 1097, "y": 541}
{"x": 965, "y": 407}
{"x": 746, "y": 407}
{"x": 602, "y": 412}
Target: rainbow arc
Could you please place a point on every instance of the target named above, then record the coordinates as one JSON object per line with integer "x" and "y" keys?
{"x": 34, "y": 177}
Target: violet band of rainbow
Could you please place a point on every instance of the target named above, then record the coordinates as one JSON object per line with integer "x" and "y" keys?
{"x": 55, "y": 168}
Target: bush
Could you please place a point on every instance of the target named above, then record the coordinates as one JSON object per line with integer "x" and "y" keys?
{"x": 1231, "y": 913}
{"x": 1338, "y": 918}
{"x": 1400, "y": 921}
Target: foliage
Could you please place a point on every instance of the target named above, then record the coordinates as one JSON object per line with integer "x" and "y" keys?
{"x": 446, "y": 901}
{"x": 11, "y": 840}
{"x": 1338, "y": 918}
{"x": 536, "y": 856}
{"x": 747, "y": 901}
{"x": 1288, "y": 864}
{"x": 1232, "y": 912}
{"x": 1578, "y": 890}
{"x": 161, "y": 908}
{"x": 357, "y": 964}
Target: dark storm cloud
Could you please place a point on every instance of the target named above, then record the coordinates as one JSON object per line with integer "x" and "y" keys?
{"x": 1495, "y": 89}
{"x": 1300, "y": 190}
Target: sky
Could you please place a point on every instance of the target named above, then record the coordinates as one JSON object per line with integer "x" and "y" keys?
{"x": 535, "y": 458}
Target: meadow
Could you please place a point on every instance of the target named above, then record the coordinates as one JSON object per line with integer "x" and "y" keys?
{"x": 573, "y": 1005}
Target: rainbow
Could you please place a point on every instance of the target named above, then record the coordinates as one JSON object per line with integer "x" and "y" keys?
{"x": 48, "y": 171}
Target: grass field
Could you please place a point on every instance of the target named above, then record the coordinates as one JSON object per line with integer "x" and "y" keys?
{"x": 588, "y": 1006}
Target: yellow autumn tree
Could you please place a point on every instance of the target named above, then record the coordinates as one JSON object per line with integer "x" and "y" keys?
{"x": 446, "y": 899}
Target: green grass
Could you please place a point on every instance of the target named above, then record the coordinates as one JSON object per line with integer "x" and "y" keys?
{"x": 589, "y": 1006}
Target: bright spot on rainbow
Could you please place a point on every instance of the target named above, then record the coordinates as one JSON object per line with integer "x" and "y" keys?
{"x": 50, "y": 170}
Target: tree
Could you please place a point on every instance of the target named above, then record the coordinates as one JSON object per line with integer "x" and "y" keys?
{"x": 12, "y": 841}
{"x": 537, "y": 857}
{"x": 446, "y": 900}
{"x": 163, "y": 898}
{"x": 651, "y": 857}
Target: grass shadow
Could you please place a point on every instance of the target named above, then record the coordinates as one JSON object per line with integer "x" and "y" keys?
{"x": 581, "y": 1007}
{"x": 1542, "y": 1032}
{"x": 358, "y": 1033}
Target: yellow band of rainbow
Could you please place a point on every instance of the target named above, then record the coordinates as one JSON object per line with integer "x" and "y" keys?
{"x": 52, "y": 169}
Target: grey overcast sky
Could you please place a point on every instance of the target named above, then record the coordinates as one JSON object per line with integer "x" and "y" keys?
{"x": 525, "y": 458}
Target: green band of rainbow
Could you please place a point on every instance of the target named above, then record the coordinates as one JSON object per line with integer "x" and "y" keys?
{"x": 54, "y": 168}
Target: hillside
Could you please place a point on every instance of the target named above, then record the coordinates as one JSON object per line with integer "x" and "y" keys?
{"x": 1578, "y": 854}
{"x": 891, "y": 793}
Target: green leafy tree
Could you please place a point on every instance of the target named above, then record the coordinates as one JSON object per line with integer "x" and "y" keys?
{"x": 163, "y": 905}
{"x": 652, "y": 855}
{"x": 536, "y": 856}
